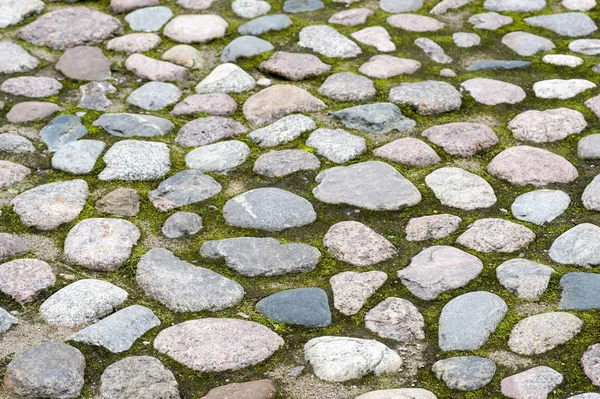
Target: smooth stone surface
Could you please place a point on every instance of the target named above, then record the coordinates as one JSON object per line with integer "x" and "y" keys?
{"x": 385, "y": 66}
{"x": 285, "y": 162}
{"x": 427, "y": 98}
{"x": 415, "y": 23}
{"x": 577, "y": 246}
{"x": 301, "y": 306}
{"x": 536, "y": 382}
{"x": 78, "y": 157}
{"x": 294, "y": 66}
{"x": 195, "y": 28}
{"x": 183, "y": 188}
{"x": 357, "y": 244}
{"x": 370, "y": 185}
{"x": 585, "y": 46}
{"x": 186, "y": 56}
{"x": 50, "y": 205}
{"x": 253, "y": 256}
{"x": 259, "y": 389}
{"x": 347, "y": 86}
{"x": 589, "y": 363}
{"x": 101, "y": 244}
{"x": 514, "y": 5}
{"x": 136, "y": 160}
{"x": 351, "y": 289}
{"x": 119, "y": 331}
{"x": 458, "y": 188}
{"x": 580, "y": 291}
{"x": 31, "y": 111}
{"x": 226, "y": 78}
{"x": 82, "y": 302}
{"x": 141, "y": 377}
{"x": 465, "y": 373}
{"x": 24, "y": 279}
{"x": 282, "y": 131}
{"x": 446, "y": 5}
{"x": 571, "y": 24}
{"x": 589, "y": 147}
{"x": 31, "y": 86}
{"x": 121, "y": 6}
{"x": 62, "y": 130}
{"x": 561, "y": 89}
{"x": 526, "y": 44}
{"x": 433, "y": 50}
{"x": 270, "y": 209}
{"x": 431, "y": 227}
{"x": 14, "y": 59}
{"x": 216, "y": 104}
{"x": 245, "y": 46}
{"x": 6, "y": 321}
{"x": 591, "y": 195}
{"x": 182, "y": 224}
{"x": 397, "y": 319}
{"x": 408, "y": 151}
{"x": 437, "y": 269}
{"x": 490, "y": 21}
{"x": 351, "y": 17}
{"x": 523, "y": 165}
{"x": 155, "y": 70}
{"x": 183, "y": 287}
{"x": 496, "y": 235}
{"x": 376, "y": 118}
{"x": 398, "y": 6}
{"x": 14, "y": 11}
{"x": 467, "y": 321}
{"x": 51, "y": 369}
{"x": 134, "y": 125}
{"x": 84, "y": 63}
{"x": 221, "y": 157}
{"x": 122, "y": 202}
{"x": 203, "y": 131}
{"x": 327, "y": 41}
{"x": 493, "y": 92}
{"x": 570, "y": 61}
{"x": 524, "y": 278}
{"x": 402, "y": 393}
{"x": 265, "y": 24}
{"x": 298, "y": 6}
{"x": 339, "y": 359}
{"x": 149, "y": 19}
{"x": 337, "y": 145}
{"x": 375, "y": 36}
{"x": 215, "y": 345}
{"x": 464, "y": 139}
{"x": 154, "y": 96}
{"x": 466, "y": 40}
{"x": 547, "y": 126}
{"x": 542, "y": 332}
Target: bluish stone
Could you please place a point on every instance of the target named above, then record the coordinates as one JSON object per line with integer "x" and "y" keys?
{"x": 245, "y": 46}
{"x": 303, "y": 306}
{"x": 493, "y": 64}
{"x": 297, "y": 6}
{"x": 581, "y": 291}
{"x": 378, "y": 118}
{"x": 149, "y": 19}
{"x": 265, "y": 24}
{"x": 62, "y": 130}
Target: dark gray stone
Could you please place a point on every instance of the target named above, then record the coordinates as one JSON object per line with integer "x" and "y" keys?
{"x": 465, "y": 373}
{"x": 428, "y": 97}
{"x": 183, "y": 188}
{"x": 62, "y": 130}
{"x": 581, "y": 291}
{"x": 134, "y": 125}
{"x": 182, "y": 224}
{"x": 376, "y": 118}
{"x": 302, "y": 306}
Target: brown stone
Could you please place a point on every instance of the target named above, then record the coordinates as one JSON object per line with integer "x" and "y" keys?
{"x": 122, "y": 202}
{"x": 260, "y": 389}
{"x": 30, "y": 111}
{"x": 408, "y": 151}
{"x": 23, "y": 279}
{"x": 294, "y": 66}
{"x": 84, "y": 63}
{"x": 217, "y": 104}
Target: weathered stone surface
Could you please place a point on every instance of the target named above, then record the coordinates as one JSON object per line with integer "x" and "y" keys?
{"x": 466, "y": 40}
{"x": 415, "y": 23}
{"x": 226, "y": 78}
{"x": 151, "y": 69}
{"x": 431, "y": 227}
{"x": 119, "y": 331}
{"x": 14, "y": 11}
{"x": 402, "y": 393}
{"x": 577, "y": 246}
{"x": 203, "y": 131}
{"x": 120, "y": 6}
{"x": 195, "y": 4}
{"x": 337, "y": 145}
{"x": 522, "y": 165}
{"x": 591, "y": 195}
{"x": 93, "y": 96}
{"x": 339, "y": 359}
{"x": 536, "y": 382}
{"x": 462, "y": 138}
{"x": 385, "y": 66}
{"x": 221, "y": 157}
{"x": 398, "y": 6}
{"x": 327, "y": 41}
{"x": 282, "y": 131}
{"x": 433, "y": 50}
{"x": 12, "y": 173}
{"x": 497, "y": 65}
{"x": 490, "y": 21}
{"x": 496, "y": 235}
{"x": 571, "y": 24}
{"x": 376, "y": 117}
{"x": 101, "y": 244}
{"x": 570, "y": 61}
{"x": 351, "y": 289}
{"x": 493, "y": 92}
{"x": 524, "y": 278}
{"x": 371, "y": 185}
{"x": 195, "y": 28}
{"x": 270, "y": 209}
{"x": 135, "y": 160}
{"x": 561, "y": 89}
{"x": 351, "y": 17}
{"x": 277, "y": 101}
{"x": 589, "y": 147}
{"x": 446, "y": 5}
{"x": 154, "y": 96}
{"x": 294, "y": 66}
{"x": 134, "y": 43}
{"x": 465, "y": 373}
{"x": 6, "y": 321}
{"x": 24, "y": 279}
{"x": 47, "y": 206}
{"x": 546, "y": 126}
{"x": 585, "y": 46}
{"x": 285, "y": 162}
{"x": 245, "y": 46}
{"x": 526, "y": 44}
{"x": 31, "y": 86}
{"x": 62, "y": 130}
{"x": 347, "y": 86}
{"x": 580, "y": 291}
{"x": 14, "y": 59}
{"x": 260, "y": 389}
{"x": 122, "y": 202}
{"x": 397, "y": 319}
{"x": 375, "y": 36}
{"x": 543, "y": 332}
{"x": 183, "y": 287}
{"x": 265, "y": 24}
{"x": 142, "y": 377}
{"x": 149, "y": 19}
{"x": 52, "y": 370}
{"x": 82, "y": 302}
{"x": 357, "y": 244}
{"x": 182, "y": 224}
{"x": 69, "y": 27}
{"x": 301, "y": 306}
{"x": 437, "y": 269}
{"x": 427, "y": 98}
{"x": 591, "y": 363}
{"x": 215, "y": 345}
{"x": 30, "y": 111}
{"x": 183, "y": 188}
{"x": 458, "y": 188}
{"x": 514, "y": 5}
{"x": 253, "y": 256}
{"x": 84, "y": 63}
{"x": 408, "y": 151}
{"x": 78, "y": 157}
{"x": 134, "y": 125}
{"x": 216, "y": 104}
{"x": 467, "y": 321}
{"x": 12, "y": 245}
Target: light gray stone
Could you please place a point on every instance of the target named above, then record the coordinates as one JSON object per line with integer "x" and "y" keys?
{"x": 78, "y": 157}
{"x": 585, "y": 46}
{"x": 396, "y": 319}
{"x": 385, "y": 66}
{"x": 493, "y": 92}
{"x": 13, "y": 59}
{"x": 6, "y": 321}
{"x": 216, "y": 104}
{"x": 490, "y": 21}
{"x": 433, "y": 50}
{"x": 577, "y": 246}
{"x": 524, "y": 278}
{"x": 398, "y": 6}
{"x": 186, "y": 56}
{"x": 496, "y": 235}
{"x": 571, "y": 24}
{"x": 351, "y": 17}
{"x": 282, "y": 131}
{"x": 542, "y": 332}
{"x": 62, "y": 130}
{"x": 285, "y": 162}
{"x": 294, "y": 66}
{"x": 447, "y": 5}
{"x": 183, "y": 188}
{"x": 546, "y": 126}
{"x": 589, "y": 147}
{"x": 250, "y": 8}
{"x": 31, "y": 111}
{"x": 154, "y": 96}
{"x": 458, "y": 188}
{"x": 375, "y": 36}
{"x": 570, "y": 61}
{"x": 149, "y": 19}
{"x": 265, "y": 24}
{"x": 135, "y": 160}
{"x": 561, "y": 89}
{"x": 226, "y": 78}
{"x": 134, "y": 43}
{"x": 526, "y": 44}
{"x": 13, "y": 12}
{"x": 348, "y": 86}
{"x": 402, "y": 393}
{"x": 351, "y": 289}
{"x": 134, "y": 125}
{"x": 327, "y": 41}
{"x": 465, "y": 373}
{"x": 182, "y": 224}
{"x": 203, "y": 131}
{"x": 93, "y": 96}
{"x": 221, "y": 157}
{"x": 429, "y": 97}
{"x": 195, "y": 28}
{"x": 24, "y": 279}
{"x": 155, "y": 70}
{"x": 31, "y": 86}
{"x": 536, "y": 382}
{"x": 12, "y": 173}
{"x": 415, "y": 23}
{"x": 514, "y": 5}
{"x": 591, "y": 367}
{"x": 355, "y": 243}
{"x": 337, "y": 145}
{"x": 408, "y": 151}
{"x": 540, "y": 206}
{"x": 461, "y": 138}
{"x": 466, "y": 40}
{"x": 591, "y": 195}
{"x": 431, "y": 227}
{"x": 12, "y": 245}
